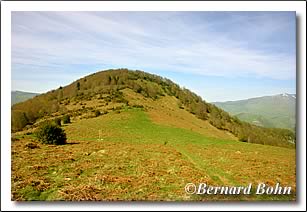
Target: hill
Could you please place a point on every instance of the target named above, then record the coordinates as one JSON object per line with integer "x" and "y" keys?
{"x": 112, "y": 87}
{"x": 138, "y": 136}
{"x": 20, "y": 96}
{"x": 276, "y": 111}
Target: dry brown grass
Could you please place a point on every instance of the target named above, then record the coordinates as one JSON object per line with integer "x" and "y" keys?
{"x": 122, "y": 171}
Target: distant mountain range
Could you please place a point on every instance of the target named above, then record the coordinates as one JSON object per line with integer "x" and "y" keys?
{"x": 20, "y": 96}
{"x": 276, "y": 111}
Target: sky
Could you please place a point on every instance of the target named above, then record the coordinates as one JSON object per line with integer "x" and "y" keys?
{"x": 221, "y": 56}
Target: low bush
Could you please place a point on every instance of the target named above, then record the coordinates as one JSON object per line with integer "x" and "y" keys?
{"x": 50, "y": 133}
{"x": 97, "y": 113}
{"x": 57, "y": 121}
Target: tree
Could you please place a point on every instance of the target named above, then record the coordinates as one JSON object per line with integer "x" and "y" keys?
{"x": 78, "y": 86}
{"x": 19, "y": 120}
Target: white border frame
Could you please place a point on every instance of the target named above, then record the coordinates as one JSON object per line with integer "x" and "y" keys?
{"x": 7, "y": 7}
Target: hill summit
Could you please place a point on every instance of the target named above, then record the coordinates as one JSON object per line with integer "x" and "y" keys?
{"x": 122, "y": 88}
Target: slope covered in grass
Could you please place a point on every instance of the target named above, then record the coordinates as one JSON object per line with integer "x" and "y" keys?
{"x": 125, "y": 155}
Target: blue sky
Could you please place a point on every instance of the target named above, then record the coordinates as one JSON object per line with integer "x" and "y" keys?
{"x": 219, "y": 55}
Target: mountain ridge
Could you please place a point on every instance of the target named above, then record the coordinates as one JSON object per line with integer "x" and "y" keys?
{"x": 277, "y": 111}
{"x": 20, "y": 96}
{"x": 257, "y": 97}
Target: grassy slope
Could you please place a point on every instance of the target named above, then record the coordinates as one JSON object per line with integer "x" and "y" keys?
{"x": 166, "y": 111}
{"x": 139, "y": 159}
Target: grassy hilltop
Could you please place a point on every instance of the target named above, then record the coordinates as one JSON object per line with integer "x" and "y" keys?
{"x": 138, "y": 136}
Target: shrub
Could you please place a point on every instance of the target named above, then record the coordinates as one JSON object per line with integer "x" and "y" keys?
{"x": 243, "y": 138}
{"x": 97, "y": 113}
{"x": 14, "y": 139}
{"x": 31, "y": 145}
{"x": 138, "y": 106}
{"x": 139, "y": 90}
{"x": 66, "y": 119}
{"x": 57, "y": 121}
{"x": 50, "y": 133}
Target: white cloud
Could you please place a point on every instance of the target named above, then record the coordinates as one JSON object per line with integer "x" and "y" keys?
{"x": 163, "y": 41}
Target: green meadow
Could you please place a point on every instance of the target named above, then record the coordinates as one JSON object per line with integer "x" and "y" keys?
{"x": 124, "y": 155}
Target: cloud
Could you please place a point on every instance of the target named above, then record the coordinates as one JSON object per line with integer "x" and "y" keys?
{"x": 204, "y": 43}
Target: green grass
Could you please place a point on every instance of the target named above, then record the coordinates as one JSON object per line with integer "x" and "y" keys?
{"x": 134, "y": 126}
{"x": 136, "y": 159}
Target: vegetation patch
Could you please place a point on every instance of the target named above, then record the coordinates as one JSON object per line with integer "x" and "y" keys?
{"x": 50, "y": 133}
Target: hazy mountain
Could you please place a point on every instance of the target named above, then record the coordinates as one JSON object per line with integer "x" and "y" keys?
{"x": 276, "y": 111}
{"x": 20, "y": 96}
